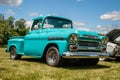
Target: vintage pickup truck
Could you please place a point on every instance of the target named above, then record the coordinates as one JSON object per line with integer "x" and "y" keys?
{"x": 54, "y": 39}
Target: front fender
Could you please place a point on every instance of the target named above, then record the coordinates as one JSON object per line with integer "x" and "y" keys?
{"x": 61, "y": 44}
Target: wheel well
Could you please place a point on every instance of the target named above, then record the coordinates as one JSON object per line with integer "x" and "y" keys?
{"x": 49, "y": 45}
{"x": 11, "y": 47}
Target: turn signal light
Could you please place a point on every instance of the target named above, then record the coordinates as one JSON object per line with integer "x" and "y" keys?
{"x": 73, "y": 47}
{"x": 104, "y": 49}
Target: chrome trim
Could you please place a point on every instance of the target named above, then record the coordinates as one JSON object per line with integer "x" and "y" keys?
{"x": 85, "y": 55}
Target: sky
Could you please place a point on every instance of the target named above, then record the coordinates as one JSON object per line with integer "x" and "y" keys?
{"x": 92, "y": 15}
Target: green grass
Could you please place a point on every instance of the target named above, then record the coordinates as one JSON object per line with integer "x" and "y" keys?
{"x": 34, "y": 69}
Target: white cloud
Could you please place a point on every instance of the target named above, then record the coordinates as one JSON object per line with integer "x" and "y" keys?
{"x": 114, "y": 15}
{"x": 11, "y": 2}
{"x": 10, "y": 12}
{"x": 79, "y": 0}
{"x": 33, "y": 14}
{"x": 28, "y": 23}
{"x": 80, "y": 26}
{"x": 106, "y": 28}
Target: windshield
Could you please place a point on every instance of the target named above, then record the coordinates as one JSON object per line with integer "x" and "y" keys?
{"x": 57, "y": 23}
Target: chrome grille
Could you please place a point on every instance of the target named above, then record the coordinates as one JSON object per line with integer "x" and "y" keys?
{"x": 88, "y": 44}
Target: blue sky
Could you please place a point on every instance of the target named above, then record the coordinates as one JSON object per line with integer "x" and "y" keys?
{"x": 94, "y": 15}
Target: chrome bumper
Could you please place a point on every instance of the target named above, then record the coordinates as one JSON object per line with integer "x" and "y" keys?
{"x": 85, "y": 55}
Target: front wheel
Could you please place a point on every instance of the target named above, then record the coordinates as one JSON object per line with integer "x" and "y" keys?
{"x": 93, "y": 61}
{"x": 13, "y": 54}
{"x": 53, "y": 57}
{"x": 118, "y": 59}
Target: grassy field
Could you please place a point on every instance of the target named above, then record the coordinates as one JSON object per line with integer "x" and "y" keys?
{"x": 34, "y": 69}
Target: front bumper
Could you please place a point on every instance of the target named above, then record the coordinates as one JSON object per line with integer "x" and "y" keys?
{"x": 85, "y": 55}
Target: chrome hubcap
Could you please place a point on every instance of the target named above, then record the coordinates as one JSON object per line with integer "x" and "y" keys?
{"x": 13, "y": 52}
{"x": 52, "y": 56}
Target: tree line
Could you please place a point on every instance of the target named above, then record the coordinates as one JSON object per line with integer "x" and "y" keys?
{"x": 9, "y": 27}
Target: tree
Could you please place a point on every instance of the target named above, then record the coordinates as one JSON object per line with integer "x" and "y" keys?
{"x": 21, "y": 28}
{"x": 20, "y": 24}
{"x": 1, "y": 17}
{"x": 6, "y": 31}
{"x": 10, "y": 21}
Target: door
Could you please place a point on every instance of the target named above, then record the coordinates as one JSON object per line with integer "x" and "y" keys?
{"x": 33, "y": 39}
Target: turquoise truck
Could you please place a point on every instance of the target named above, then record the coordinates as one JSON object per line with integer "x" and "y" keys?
{"x": 54, "y": 39}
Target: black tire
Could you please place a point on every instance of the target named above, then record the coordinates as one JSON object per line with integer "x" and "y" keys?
{"x": 53, "y": 57}
{"x": 91, "y": 61}
{"x": 118, "y": 59}
{"x": 94, "y": 61}
{"x": 13, "y": 54}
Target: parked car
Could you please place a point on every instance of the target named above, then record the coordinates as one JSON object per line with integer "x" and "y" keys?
{"x": 54, "y": 39}
{"x": 113, "y": 46}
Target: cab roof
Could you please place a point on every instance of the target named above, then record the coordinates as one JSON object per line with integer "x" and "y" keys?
{"x": 43, "y": 17}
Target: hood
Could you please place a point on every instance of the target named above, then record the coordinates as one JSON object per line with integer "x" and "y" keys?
{"x": 67, "y": 32}
{"x": 60, "y": 32}
{"x": 88, "y": 34}
{"x": 112, "y": 35}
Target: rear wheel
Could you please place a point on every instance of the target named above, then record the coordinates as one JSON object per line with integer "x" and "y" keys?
{"x": 13, "y": 54}
{"x": 53, "y": 57}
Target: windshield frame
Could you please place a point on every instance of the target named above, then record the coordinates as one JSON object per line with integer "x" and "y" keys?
{"x": 59, "y": 19}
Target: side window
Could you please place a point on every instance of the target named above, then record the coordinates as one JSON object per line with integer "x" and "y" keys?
{"x": 36, "y": 24}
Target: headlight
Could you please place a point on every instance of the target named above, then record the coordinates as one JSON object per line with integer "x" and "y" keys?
{"x": 105, "y": 40}
{"x": 73, "y": 38}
